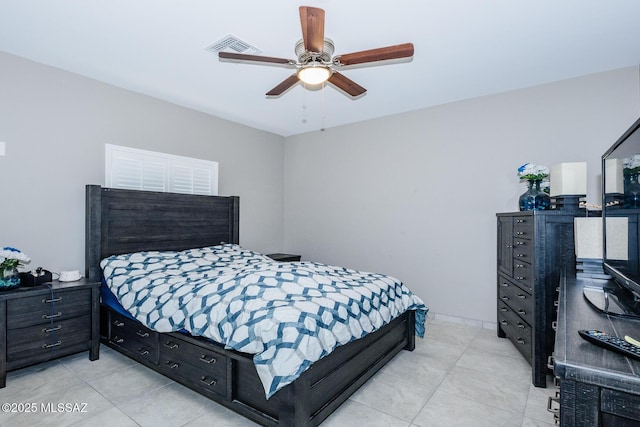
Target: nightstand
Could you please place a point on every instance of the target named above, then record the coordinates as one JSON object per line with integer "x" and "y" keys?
{"x": 48, "y": 321}
{"x": 284, "y": 257}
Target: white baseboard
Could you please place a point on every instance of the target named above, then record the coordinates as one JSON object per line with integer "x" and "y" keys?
{"x": 469, "y": 322}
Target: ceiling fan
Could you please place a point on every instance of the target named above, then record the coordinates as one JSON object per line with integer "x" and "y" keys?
{"x": 315, "y": 64}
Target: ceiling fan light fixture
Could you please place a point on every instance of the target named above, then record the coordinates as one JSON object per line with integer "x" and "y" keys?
{"x": 314, "y": 74}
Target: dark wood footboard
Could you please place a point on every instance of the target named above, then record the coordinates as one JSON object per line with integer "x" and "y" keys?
{"x": 230, "y": 377}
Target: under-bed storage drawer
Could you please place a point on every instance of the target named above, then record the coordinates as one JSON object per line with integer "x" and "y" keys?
{"x": 133, "y": 336}
{"x": 201, "y": 367}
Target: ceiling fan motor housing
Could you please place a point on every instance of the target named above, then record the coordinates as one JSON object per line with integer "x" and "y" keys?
{"x": 304, "y": 56}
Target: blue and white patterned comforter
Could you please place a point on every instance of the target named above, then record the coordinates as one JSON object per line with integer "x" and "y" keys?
{"x": 288, "y": 315}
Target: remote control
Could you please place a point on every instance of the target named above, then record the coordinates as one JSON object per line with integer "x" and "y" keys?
{"x": 612, "y": 342}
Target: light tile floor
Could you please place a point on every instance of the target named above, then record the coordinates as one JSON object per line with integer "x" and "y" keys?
{"x": 457, "y": 376}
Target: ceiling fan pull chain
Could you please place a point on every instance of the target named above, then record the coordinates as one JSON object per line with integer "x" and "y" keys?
{"x": 304, "y": 104}
{"x": 323, "y": 113}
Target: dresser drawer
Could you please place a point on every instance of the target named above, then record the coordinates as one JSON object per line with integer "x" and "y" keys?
{"x": 203, "y": 368}
{"x": 509, "y": 317}
{"x": 515, "y": 297}
{"x": 523, "y": 250}
{"x": 518, "y": 331}
{"x": 523, "y": 273}
{"x": 523, "y": 227}
{"x": 42, "y": 309}
{"x": 56, "y": 336}
{"x": 134, "y": 337}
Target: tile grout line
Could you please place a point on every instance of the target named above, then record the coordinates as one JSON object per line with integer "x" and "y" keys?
{"x": 449, "y": 369}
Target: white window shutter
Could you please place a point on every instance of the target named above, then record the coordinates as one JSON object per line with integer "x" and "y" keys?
{"x": 126, "y": 172}
{"x": 193, "y": 176}
{"x": 135, "y": 169}
{"x": 154, "y": 176}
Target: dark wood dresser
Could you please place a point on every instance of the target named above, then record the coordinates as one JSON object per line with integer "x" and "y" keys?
{"x": 533, "y": 248}
{"x": 598, "y": 387}
{"x": 48, "y": 321}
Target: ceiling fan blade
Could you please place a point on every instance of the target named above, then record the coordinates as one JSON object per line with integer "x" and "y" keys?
{"x": 312, "y": 20}
{"x": 381, "y": 54}
{"x": 237, "y": 57}
{"x": 284, "y": 86}
{"x": 346, "y": 84}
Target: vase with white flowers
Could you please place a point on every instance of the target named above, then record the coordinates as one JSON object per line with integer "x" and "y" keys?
{"x": 10, "y": 260}
{"x": 534, "y": 199}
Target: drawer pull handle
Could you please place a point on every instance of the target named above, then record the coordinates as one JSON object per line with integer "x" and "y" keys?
{"x": 519, "y": 325}
{"x": 173, "y": 365}
{"x": 554, "y": 325}
{"x": 504, "y": 309}
{"x": 520, "y": 341}
{"x": 208, "y": 383}
{"x": 519, "y": 221}
{"x": 172, "y": 345}
{"x": 118, "y": 340}
{"x": 48, "y": 301}
{"x": 556, "y": 303}
{"x": 504, "y": 285}
{"x": 504, "y": 298}
{"x": 550, "y": 403}
{"x": 47, "y": 330}
{"x": 522, "y": 312}
{"x": 522, "y": 296}
{"x": 142, "y": 334}
{"x": 519, "y": 243}
{"x": 51, "y": 316}
{"x": 143, "y": 352}
{"x": 504, "y": 323}
{"x": 550, "y": 362}
{"x": 206, "y": 359}
{"x": 520, "y": 255}
{"x": 519, "y": 233}
{"x": 52, "y": 345}
{"x": 118, "y": 323}
{"x": 519, "y": 265}
{"x": 520, "y": 277}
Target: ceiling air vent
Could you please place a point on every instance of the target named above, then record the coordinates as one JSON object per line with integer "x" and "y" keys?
{"x": 234, "y": 44}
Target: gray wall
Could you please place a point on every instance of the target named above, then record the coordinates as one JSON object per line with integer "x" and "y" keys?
{"x": 415, "y": 195}
{"x": 55, "y": 125}
{"x": 412, "y": 195}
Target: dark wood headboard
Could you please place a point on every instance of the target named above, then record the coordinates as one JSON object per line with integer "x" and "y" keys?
{"x": 123, "y": 221}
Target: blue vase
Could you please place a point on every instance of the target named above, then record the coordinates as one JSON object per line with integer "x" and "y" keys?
{"x": 631, "y": 191}
{"x": 9, "y": 278}
{"x": 534, "y": 199}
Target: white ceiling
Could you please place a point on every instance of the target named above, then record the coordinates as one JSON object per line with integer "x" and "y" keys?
{"x": 463, "y": 49}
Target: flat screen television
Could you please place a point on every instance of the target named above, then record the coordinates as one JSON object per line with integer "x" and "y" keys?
{"x": 621, "y": 233}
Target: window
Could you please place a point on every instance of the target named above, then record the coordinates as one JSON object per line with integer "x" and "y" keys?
{"x": 135, "y": 169}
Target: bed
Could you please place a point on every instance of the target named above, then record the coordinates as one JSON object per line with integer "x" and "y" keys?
{"x": 123, "y": 222}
